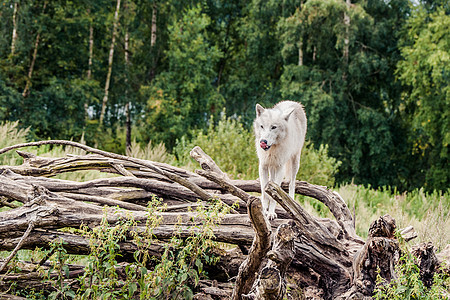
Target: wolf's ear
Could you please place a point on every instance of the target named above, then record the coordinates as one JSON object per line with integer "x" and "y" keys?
{"x": 259, "y": 109}
{"x": 287, "y": 115}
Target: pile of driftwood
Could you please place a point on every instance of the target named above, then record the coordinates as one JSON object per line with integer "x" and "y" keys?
{"x": 310, "y": 257}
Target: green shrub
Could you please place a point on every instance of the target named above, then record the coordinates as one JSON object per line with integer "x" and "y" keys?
{"x": 181, "y": 265}
{"x": 100, "y": 278}
{"x": 232, "y": 147}
{"x": 173, "y": 276}
{"x": 228, "y": 143}
{"x": 408, "y": 285}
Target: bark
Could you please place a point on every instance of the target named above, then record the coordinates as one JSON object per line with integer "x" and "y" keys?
{"x": 378, "y": 256}
{"x": 91, "y": 55}
{"x": 91, "y": 48}
{"x": 14, "y": 33}
{"x": 347, "y": 31}
{"x": 26, "y": 90}
{"x": 128, "y": 103}
{"x": 271, "y": 283}
{"x": 300, "y": 53}
{"x": 260, "y": 246}
{"x": 154, "y": 25}
{"x": 110, "y": 62}
{"x": 427, "y": 261}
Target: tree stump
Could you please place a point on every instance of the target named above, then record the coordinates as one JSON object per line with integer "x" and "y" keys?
{"x": 271, "y": 282}
{"x": 379, "y": 254}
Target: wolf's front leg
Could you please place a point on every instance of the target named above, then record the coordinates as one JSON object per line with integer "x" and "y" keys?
{"x": 276, "y": 175}
{"x": 293, "y": 168}
{"x": 264, "y": 178}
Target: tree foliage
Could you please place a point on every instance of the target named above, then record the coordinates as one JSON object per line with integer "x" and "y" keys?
{"x": 425, "y": 70}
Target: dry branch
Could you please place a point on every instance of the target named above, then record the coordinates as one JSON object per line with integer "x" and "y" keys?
{"x": 322, "y": 250}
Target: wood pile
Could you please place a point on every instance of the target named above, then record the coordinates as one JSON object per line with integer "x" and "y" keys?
{"x": 297, "y": 255}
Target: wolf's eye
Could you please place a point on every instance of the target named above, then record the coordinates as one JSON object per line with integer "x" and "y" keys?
{"x": 262, "y": 127}
{"x": 273, "y": 127}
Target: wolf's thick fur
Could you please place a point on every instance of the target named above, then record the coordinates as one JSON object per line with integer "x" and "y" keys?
{"x": 279, "y": 136}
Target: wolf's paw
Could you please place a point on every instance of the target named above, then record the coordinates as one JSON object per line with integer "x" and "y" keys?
{"x": 271, "y": 216}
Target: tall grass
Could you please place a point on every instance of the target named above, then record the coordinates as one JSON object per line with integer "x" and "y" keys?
{"x": 11, "y": 134}
{"x": 151, "y": 152}
{"x": 428, "y": 213}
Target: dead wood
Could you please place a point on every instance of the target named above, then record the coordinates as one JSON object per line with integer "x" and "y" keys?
{"x": 378, "y": 256}
{"x": 427, "y": 262}
{"x": 271, "y": 283}
{"x": 172, "y": 176}
{"x": 261, "y": 244}
{"x": 329, "y": 260}
{"x": 262, "y": 240}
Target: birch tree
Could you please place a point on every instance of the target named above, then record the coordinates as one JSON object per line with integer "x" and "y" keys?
{"x": 154, "y": 25}
{"x": 33, "y": 58}
{"x": 14, "y": 33}
{"x": 110, "y": 63}
{"x": 90, "y": 57}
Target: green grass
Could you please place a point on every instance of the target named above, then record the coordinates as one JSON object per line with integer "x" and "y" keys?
{"x": 428, "y": 213}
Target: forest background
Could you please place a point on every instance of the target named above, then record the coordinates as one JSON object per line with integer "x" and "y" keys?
{"x": 373, "y": 76}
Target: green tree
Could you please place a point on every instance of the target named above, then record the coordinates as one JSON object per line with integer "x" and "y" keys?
{"x": 348, "y": 88}
{"x": 425, "y": 70}
{"x": 183, "y": 96}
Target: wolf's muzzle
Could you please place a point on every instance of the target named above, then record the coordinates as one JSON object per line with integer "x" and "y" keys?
{"x": 263, "y": 145}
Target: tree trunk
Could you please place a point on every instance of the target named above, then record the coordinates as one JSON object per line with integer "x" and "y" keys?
{"x": 300, "y": 53}
{"x": 110, "y": 63}
{"x": 14, "y": 33}
{"x": 128, "y": 103}
{"x": 91, "y": 54}
{"x": 33, "y": 59}
{"x": 154, "y": 25}
{"x": 346, "y": 37}
{"x": 153, "y": 38}
{"x": 271, "y": 283}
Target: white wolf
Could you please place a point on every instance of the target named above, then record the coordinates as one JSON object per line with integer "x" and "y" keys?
{"x": 280, "y": 135}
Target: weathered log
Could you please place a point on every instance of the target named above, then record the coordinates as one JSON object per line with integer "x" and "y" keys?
{"x": 324, "y": 249}
{"x": 56, "y": 211}
{"x": 313, "y": 250}
{"x": 206, "y": 162}
{"x": 261, "y": 244}
{"x": 426, "y": 261}
{"x": 306, "y": 223}
{"x": 378, "y": 256}
{"x": 262, "y": 240}
{"x": 172, "y": 176}
{"x": 271, "y": 283}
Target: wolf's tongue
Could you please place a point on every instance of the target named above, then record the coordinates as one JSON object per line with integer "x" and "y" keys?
{"x": 263, "y": 145}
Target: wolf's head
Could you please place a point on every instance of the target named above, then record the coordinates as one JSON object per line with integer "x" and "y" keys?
{"x": 270, "y": 126}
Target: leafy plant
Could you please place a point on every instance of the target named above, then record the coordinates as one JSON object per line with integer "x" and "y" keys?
{"x": 181, "y": 265}
{"x": 100, "y": 280}
{"x": 59, "y": 264}
{"x": 408, "y": 284}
